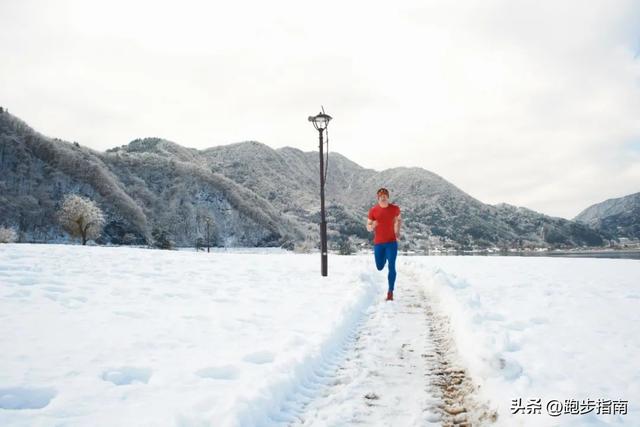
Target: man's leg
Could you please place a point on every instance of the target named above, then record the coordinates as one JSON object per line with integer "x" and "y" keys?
{"x": 378, "y": 253}
{"x": 392, "y": 253}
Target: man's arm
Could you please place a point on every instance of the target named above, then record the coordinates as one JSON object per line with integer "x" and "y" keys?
{"x": 397, "y": 222}
{"x": 371, "y": 224}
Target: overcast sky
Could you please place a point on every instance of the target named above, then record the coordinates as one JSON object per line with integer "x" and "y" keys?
{"x": 533, "y": 103}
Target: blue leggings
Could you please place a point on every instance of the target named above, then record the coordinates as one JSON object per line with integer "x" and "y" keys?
{"x": 384, "y": 252}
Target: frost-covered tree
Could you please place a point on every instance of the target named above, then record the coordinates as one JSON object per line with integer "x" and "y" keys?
{"x": 161, "y": 238}
{"x": 199, "y": 244}
{"x": 81, "y": 217}
{"x": 345, "y": 247}
{"x": 8, "y": 235}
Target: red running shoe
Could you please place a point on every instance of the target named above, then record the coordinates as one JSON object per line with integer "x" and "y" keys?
{"x": 389, "y": 296}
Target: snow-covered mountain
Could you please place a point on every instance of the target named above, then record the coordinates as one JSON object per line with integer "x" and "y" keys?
{"x": 256, "y": 196}
{"x": 152, "y": 184}
{"x": 619, "y": 217}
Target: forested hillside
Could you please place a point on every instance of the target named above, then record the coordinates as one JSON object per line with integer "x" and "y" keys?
{"x": 254, "y": 195}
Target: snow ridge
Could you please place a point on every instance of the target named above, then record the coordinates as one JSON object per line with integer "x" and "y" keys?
{"x": 282, "y": 401}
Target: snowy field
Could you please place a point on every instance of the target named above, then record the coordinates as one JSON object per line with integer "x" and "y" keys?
{"x": 544, "y": 328}
{"x": 134, "y": 337}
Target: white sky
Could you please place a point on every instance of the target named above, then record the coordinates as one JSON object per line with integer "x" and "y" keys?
{"x": 533, "y": 103}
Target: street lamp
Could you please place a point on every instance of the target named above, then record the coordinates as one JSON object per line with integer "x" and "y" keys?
{"x": 320, "y": 122}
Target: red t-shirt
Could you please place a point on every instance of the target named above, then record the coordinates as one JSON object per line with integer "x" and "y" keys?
{"x": 384, "y": 229}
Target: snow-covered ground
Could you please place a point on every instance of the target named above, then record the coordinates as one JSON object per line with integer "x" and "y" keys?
{"x": 134, "y": 337}
{"x": 543, "y": 328}
{"x": 116, "y": 336}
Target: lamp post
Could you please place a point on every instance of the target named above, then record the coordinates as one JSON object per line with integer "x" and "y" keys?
{"x": 320, "y": 122}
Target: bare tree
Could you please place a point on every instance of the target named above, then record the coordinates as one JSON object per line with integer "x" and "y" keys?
{"x": 81, "y": 217}
{"x": 8, "y": 235}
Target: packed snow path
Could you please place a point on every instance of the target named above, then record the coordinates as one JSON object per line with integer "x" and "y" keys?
{"x": 399, "y": 369}
{"x": 382, "y": 379}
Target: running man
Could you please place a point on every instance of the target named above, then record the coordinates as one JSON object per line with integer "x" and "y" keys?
{"x": 384, "y": 220}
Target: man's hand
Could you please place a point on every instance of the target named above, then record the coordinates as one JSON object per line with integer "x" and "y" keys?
{"x": 371, "y": 225}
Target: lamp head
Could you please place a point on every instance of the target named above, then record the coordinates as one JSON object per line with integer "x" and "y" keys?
{"x": 320, "y": 121}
